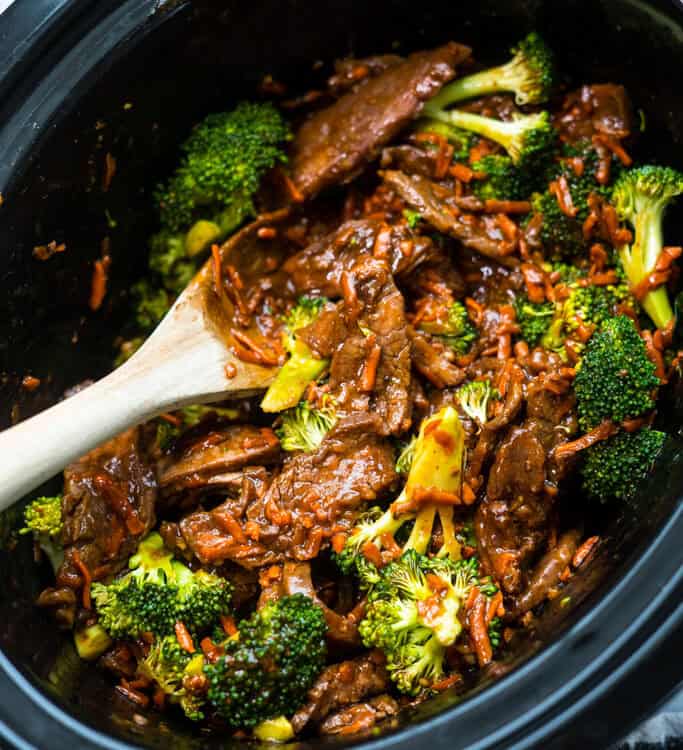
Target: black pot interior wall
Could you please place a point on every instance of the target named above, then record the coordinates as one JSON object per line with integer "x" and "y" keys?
{"x": 136, "y": 106}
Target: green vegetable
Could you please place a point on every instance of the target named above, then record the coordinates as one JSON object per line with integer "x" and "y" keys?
{"x": 302, "y": 367}
{"x": 43, "y": 519}
{"x": 414, "y": 638}
{"x": 158, "y": 592}
{"x": 503, "y": 180}
{"x": 474, "y": 398}
{"x": 529, "y": 140}
{"x": 641, "y": 197}
{"x": 615, "y": 378}
{"x": 169, "y": 665}
{"x": 533, "y": 318}
{"x": 530, "y": 75}
{"x": 304, "y": 428}
{"x": 223, "y": 162}
{"x": 412, "y": 217}
{"x": 274, "y": 730}
{"x": 406, "y": 456}
{"x": 268, "y": 670}
{"x": 91, "y": 642}
{"x": 614, "y": 468}
{"x": 452, "y": 327}
{"x": 436, "y": 467}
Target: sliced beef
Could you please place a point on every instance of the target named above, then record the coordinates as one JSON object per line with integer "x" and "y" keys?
{"x": 320, "y": 267}
{"x": 335, "y": 144}
{"x": 360, "y": 718}
{"x": 216, "y": 458}
{"x": 351, "y": 71}
{"x": 433, "y": 361}
{"x": 315, "y": 496}
{"x": 109, "y": 498}
{"x": 601, "y": 108}
{"x": 437, "y": 206}
{"x": 380, "y": 335}
{"x": 341, "y": 685}
{"x": 410, "y": 160}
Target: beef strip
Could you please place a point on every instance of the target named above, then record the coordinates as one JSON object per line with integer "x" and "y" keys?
{"x": 601, "y": 108}
{"x": 334, "y": 144}
{"x": 432, "y": 201}
{"x": 109, "y": 498}
{"x": 340, "y": 685}
{"x": 513, "y": 520}
{"x": 315, "y": 496}
{"x": 431, "y": 360}
{"x": 360, "y": 718}
{"x": 217, "y": 456}
{"x": 410, "y": 160}
{"x": 319, "y": 268}
{"x": 351, "y": 71}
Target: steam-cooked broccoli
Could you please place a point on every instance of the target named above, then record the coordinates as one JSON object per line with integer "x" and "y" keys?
{"x": 501, "y": 179}
{"x": 474, "y": 399}
{"x": 159, "y": 592}
{"x": 641, "y": 197}
{"x": 435, "y": 474}
{"x": 614, "y": 468}
{"x": 452, "y": 326}
{"x": 304, "y": 428}
{"x": 43, "y": 519}
{"x": 533, "y": 318}
{"x": 615, "y": 378}
{"x": 530, "y": 75}
{"x": 303, "y": 366}
{"x": 267, "y": 670}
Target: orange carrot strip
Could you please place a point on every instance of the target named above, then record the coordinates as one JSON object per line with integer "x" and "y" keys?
{"x": 184, "y": 638}
{"x": 85, "y": 574}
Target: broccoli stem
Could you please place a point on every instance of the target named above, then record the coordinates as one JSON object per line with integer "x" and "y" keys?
{"x": 491, "y": 81}
{"x": 640, "y": 259}
{"x": 289, "y": 385}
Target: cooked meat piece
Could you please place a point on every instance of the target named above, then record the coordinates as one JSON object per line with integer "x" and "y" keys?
{"x": 296, "y": 579}
{"x": 334, "y": 145}
{"x": 433, "y": 361}
{"x": 319, "y": 268}
{"x": 315, "y": 496}
{"x": 342, "y": 684}
{"x": 410, "y": 160}
{"x": 109, "y": 498}
{"x": 547, "y": 573}
{"x": 601, "y": 108}
{"x": 379, "y": 332}
{"x": 218, "y": 455}
{"x": 119, "y": 661}
{"x": 351, "y": 71}
{"x": 63, "y": 604}
{"x": 360, "y": 717}
{"x": 431, "y": 201}
{"x": 327, "y": 332}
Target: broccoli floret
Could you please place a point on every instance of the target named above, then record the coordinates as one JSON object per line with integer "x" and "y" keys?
{"x": 43, "y": 519}
{"x": 406, "y": 456}
{"x": 594, "y": 304}
{"x": 614, "y": 468}
{"x": 641, "y": 197}
{"x": 474, "y": 399}
{"x": 412, "y": 217}
{"x": 615, "y": 378}
{"x": 529, "y": 140}
{"x": 502, "y": 181}
{"x": 562, "y": 235}
{"x": 267, "y": 671}
{"x": 223, "y": 162}
{"x": 435, "y": 471}
{"x": 170, "y": 666}
{"x": 530, "y": 75}
{"x": 533, "y": 318}
{"x": 302, "y": 367}
{"x": 412, "y": 616}
{"x": 304, "y": 428}
{"x": 461, "y": 140}
{"x": 452, "y": 326}
{"x": 159, "y": 592}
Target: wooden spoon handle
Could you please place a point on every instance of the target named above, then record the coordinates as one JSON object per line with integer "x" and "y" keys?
{"x": 38, "y": 448}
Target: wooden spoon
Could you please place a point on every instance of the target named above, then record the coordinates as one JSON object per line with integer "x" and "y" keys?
{"x": 185, "y": 361}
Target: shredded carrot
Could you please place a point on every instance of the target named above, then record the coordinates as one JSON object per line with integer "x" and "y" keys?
{"x": 338, "y": 541}
{"x": 495, "y": 606}
{"x": 446, "y": 682}
{"x": 603, "y": 431}
{"x": 296, "y": 195}
{"x": 98, "y": 288}
{"x": 468, "y": 494}
{"x": 654, "y": 355}
{"x": 585, "y": 551}
{"x": 369, "y": 373}
{"x": 85, "y": 575}
{"x": 159, "y": 698}
{"x": 479, "y": 631}
{"x": 461, "y": 172}
{"x": 615, "y": 147}
{"x": 266, "y": 233}
{"x": 506, "y": 207}
{"x": 109, "y": 171}
{"x": 210, "y": 649}
{"x": 184, "y": 638}
{"x": 171, "y": 419}
{"x": 560, "y": 189}
{"x": 372, "y": 554}
{"x": 29, "y": 383}
{"x": 228, "y": 625}
{"x": 262, "y": 356}
{"x": 390, "y": 544}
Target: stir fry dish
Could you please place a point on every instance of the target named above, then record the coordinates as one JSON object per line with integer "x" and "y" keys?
{"x": 459, "y": 280}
